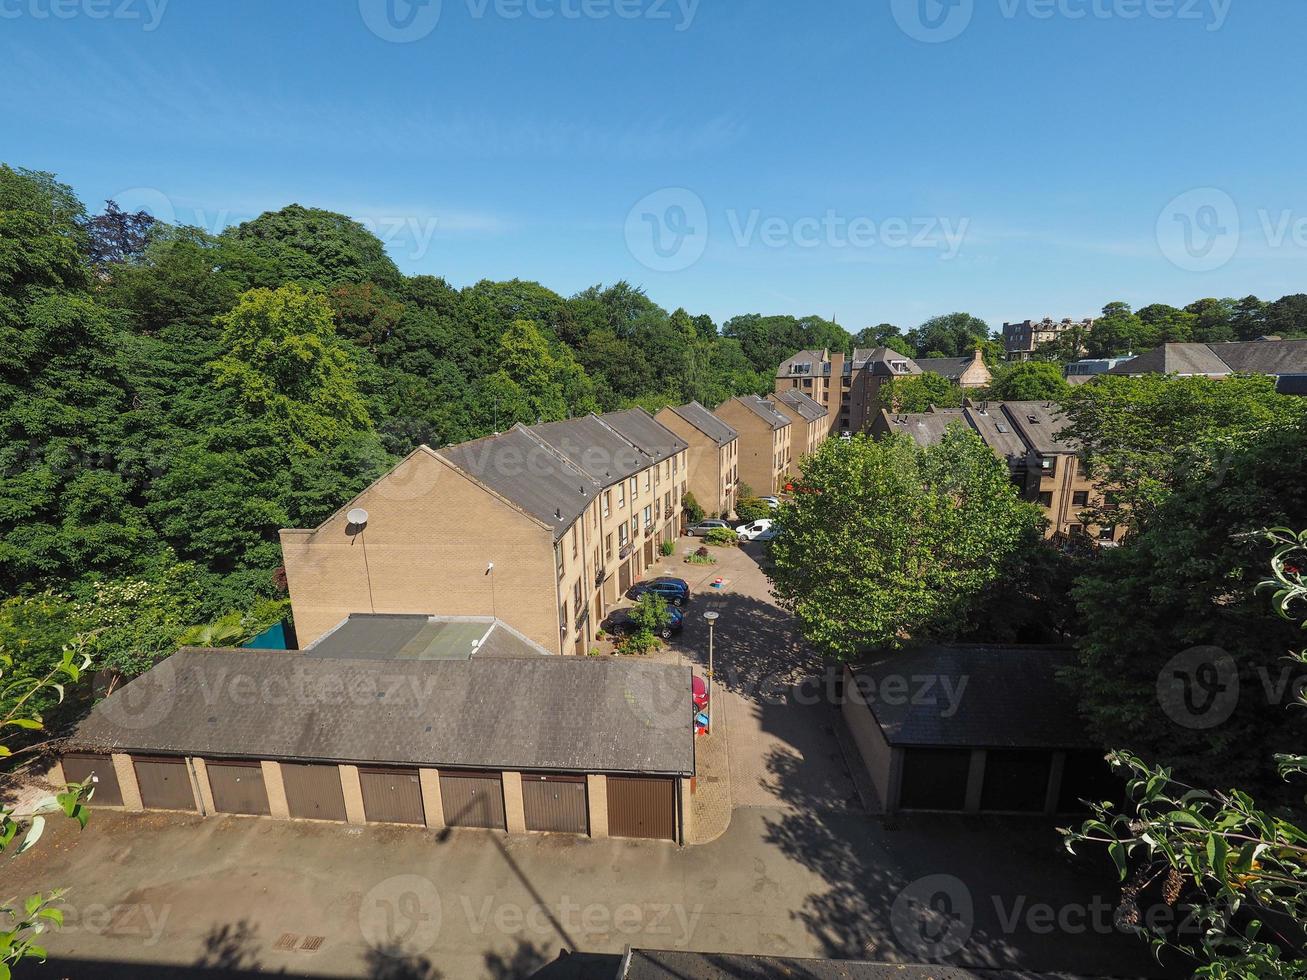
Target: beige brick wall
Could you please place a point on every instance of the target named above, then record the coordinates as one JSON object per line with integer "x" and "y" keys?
{"x": 596, "y": 791}
{"x": 352, "y": 789}
{"x": 757, "y": 446}
{"x": 708, "y": 464}
{"x": 431, "y": 533}
{"x": 276, "y": 789}
{"x": 432, "y": 804}
{"x": 203, "y": 785}
{"x": 514, "y": 808}
{"x": 127, "y": 785}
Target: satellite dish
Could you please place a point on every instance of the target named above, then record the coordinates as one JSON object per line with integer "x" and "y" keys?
{"x": 357, "y": 516}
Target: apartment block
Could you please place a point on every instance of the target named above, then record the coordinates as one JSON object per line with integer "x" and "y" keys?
{"x": 764, "y": 437}
{"x": 811, "y": 420}
{"x": 1021, "y": 340}
{"x": 714, "y": 455}
{"x": 543, "y": 526}
{"x": 1044, "y": 465}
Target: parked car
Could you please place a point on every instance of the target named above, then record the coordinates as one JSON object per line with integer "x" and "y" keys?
{"x": 674, "y": 590}
{"x": 703, "y": 527}
{"x": 773, "y": 502}
{"x": 753, "y": 531}
{"x": 620, "y": 623}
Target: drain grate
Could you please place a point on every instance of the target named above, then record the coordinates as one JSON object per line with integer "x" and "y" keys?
{"x": 313, "y": 942}
{"x": 288, "y": 940}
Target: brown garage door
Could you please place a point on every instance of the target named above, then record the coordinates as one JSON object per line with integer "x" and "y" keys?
{"x": 642, "y": 807}
{"x": 556, "y": 803}
{"x": 99, "y": 770}
{"x": 237, "y": 787}
{"x": 165, "y": 783}
{"x": 392, "y": 795}
{"x": 473, "y": 799}
{"x": 313, "y": 792}
{"x": 624, "y": 577}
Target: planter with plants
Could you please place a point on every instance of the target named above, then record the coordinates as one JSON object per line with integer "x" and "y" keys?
{"x": 700, "y": 557}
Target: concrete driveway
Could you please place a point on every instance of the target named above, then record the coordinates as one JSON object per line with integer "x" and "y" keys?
{"x": 800, "y": 871}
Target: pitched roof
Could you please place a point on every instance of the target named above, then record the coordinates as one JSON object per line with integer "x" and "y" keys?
{"x": 1040, "y": 425}
{"x": 818, "y": 359}
{"x": 948, "y": 367}
{"x": 642, "y": 430}
{"x": 1277, "y": 357}
{"x": 994, "y": 426}
{"x": 925, "y": 428}
{"x": 982, "y": 696}
{"x": 1175, "y": 359}
{"x": 764, "y": 410}
{"x": 805, "y": 405}
{"x": 880, "y": 361}
{"x": 594, "y": 446}
{"x": 521, "y": 468}
{"x": 571, "y": 714}
{"x": 706, "y": 422}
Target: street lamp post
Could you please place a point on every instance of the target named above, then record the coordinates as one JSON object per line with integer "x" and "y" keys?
{"x": 711, "y": 617}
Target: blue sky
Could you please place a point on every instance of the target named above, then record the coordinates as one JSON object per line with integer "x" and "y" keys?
{"x": 853, "y": 159}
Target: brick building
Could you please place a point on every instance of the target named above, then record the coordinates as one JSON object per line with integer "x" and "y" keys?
{"x": 1021, "y": 340}
{"x": 714, "y": 456}
{"x": 810, "y": 419}
{"x": 764, "y": 438}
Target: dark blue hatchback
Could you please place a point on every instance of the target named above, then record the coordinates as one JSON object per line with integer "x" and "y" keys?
{"x": 674, "y": 590}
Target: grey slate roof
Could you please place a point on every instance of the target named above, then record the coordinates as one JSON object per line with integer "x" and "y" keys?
{"x": 595, "y": 447}
{"x": 996, "y": 428}
{"x": 387, "y": 636}
{"x": 949, "y": 367}
{"x": 764, "y": 410}
{"x": 707, "y": 423}
{"x": 518, "y": 467}
{"x": 879, "y": 361}
{"x": 925, "y": 428}
{"x": 664, "y": 964}
{"x": 805, "y": 405}
{"x": 981, "y": 696}
{"x": 570, "y": 714}
{"x": 1175, "y": 359}
{"x": 1040, "y": 425}
{"x": 642, "y": 430}
{"x": 1271, "y": 357}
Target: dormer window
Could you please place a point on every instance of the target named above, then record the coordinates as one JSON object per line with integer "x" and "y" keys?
{"x": 803, "y": 368}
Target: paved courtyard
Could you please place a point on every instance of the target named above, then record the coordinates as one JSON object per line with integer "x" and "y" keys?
{"x": 800, "y": 870}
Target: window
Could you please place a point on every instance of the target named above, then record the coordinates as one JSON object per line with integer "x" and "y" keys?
{"x": 676, "y": 461}
{"x": 646, "y": 481}
{"x": 621, "y": 534}
{"x": 558, "y": 559}
{"x": 574, "y": 541}
{"x": 1080, "y": 498}
{"x": 1046, "y": 499}
{"x": 635, "y": 526}
{"x": 635, "y": 488}
{"x": 576, "y": 599}
{"x": 648, "y": 517}
{"x": 562, "y": 618}
{"x": 807, "y": 382}
{"x": 608, "y": 501}
{"x": 621, "y": 495}
{"x": 1112, "y": 499}
{"x": 608, "y": 547}
{"x": 1107, "y": 533}
{"x": 1049, "y": 465}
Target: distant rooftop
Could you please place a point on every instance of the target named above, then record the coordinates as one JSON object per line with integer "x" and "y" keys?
{"x": 1269, "y": 355}
{"x": 368, "y": 636}
{"x": 805, "y": 405}
{"x": 706, "y": 422}
{"x": 764, "y": 409}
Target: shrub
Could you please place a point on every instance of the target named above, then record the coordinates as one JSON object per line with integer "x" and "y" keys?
{"x": 692, "y": 509}
{"x": 722, "y": 536}
{"x": 701, "y": 557}
{"x": 752, "y": 509}
{"x": 745, "y": 490}
{"x": 668, "y": 547}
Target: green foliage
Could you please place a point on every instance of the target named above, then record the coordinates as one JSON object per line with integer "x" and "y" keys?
{"x": 1182, "y": 586}
{"x": 1029, "y": 381}
{"x": 693, "y": 512}
{"x": 700, "y": 556}
{"x": 887, "y": 541}
{"x": 667, "y": 548}
{"x": 752, "y": 509}
{"x": 884, "y": 335}
{"x": 918, "y": 392}
{"x": 311, "y": 246}
{"x": 1238, "y": 873}
{"x": 1143, "y": 435}
{"x": 722, "y": 537}
{"x": 950, "y": 335}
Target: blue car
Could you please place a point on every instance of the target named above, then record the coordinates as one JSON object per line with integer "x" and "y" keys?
{"x": 674, "y": 590}
{"x": 620, "y": 622}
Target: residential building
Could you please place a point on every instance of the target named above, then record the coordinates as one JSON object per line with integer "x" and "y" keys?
{"x": 714, "y": 456}
{"x": 1021, "y": 340}
{"x": 764, "y": 436}
{"x": 846, "y": 387}
{"x": 1009, "y": 739}
{"x": 543, "y": 526}
{"x": 810, "y": 419}
{"x": 1269, "y": 356}
{"x": 1044, "y": 465}
{"x": 965, "y": 372}
{"x": 428, "y": 721}
{"x": 1078, "y": 372}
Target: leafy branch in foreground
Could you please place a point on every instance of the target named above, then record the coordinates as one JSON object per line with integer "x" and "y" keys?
{"x": 1239, "y": 872}
{"x": 22, "y": 922}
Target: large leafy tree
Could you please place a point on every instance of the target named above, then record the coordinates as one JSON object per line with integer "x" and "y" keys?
{"x": 1029, "y": 381}
{"x": 311, "y": 246}
{"x": 918, "y": 392}
{"x": 886, "y": 541}
{"x": 950, "y": 335}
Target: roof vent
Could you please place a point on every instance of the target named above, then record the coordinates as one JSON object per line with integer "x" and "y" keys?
{"x": 1033, "y": 419}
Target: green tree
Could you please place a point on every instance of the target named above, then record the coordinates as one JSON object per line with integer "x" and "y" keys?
{"x": 1120, "y": 331}
{"x": 884, "y": 335}
{"x": 1029, "y": 381}
{"x": 283, "y": 362}
{"x": 950, "y": 335}
{"x": 918, "y": 392}
{"x": 1213, "y": 320}
{"x": 886, "y": 541}
{"x": 313, "y": 247}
